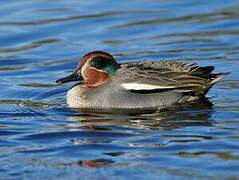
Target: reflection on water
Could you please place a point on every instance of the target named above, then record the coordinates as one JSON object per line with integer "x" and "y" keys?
{"x": 191, "y": 115}
{"x": 41, "y": 41}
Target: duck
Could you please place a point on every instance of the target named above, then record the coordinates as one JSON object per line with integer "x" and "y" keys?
{"x": 104, "y": 84}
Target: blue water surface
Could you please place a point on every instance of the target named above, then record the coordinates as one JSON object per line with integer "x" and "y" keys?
{"x": 40, "y": 137}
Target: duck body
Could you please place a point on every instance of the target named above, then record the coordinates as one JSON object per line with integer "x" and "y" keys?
{"x": 114, "y": 97}
{"x": 148, "y": 85}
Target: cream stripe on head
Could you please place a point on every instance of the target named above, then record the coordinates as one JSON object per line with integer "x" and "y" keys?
{"x": 138, "y": 86}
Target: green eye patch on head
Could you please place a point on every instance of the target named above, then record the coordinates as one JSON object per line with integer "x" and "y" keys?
{"x": 105, "y": 64}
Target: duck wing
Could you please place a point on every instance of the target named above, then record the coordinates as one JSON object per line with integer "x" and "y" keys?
{"x": 153, "y": 76}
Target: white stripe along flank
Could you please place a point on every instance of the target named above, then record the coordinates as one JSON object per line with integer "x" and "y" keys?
{"x": 137, "y": 86}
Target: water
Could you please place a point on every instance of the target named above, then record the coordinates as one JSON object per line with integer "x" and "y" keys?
{"x": 41, "y": 41}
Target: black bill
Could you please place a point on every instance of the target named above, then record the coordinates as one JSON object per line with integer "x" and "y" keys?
{"x": 72, "y": 77}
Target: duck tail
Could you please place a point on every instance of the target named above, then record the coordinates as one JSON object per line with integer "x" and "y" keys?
{"x": 215, "y": 78}
{"x": 203, "y": 71}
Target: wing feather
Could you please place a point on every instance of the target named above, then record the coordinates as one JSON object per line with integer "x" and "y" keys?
{"x": 153, "y": 76}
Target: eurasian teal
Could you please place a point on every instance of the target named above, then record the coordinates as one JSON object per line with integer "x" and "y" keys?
{"x": 103, "y": 84}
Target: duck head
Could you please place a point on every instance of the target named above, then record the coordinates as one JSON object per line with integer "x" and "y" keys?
{"x": 93, "y": 70}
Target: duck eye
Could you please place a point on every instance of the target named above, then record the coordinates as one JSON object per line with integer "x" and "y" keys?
{"x": 99, "y": 63}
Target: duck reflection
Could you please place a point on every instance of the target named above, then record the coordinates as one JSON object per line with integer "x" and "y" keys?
{"x": 194, "y": 114}
{"x": 112, "y": 135}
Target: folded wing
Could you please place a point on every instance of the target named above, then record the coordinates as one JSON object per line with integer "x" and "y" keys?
{"x": 150, "y": 77}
